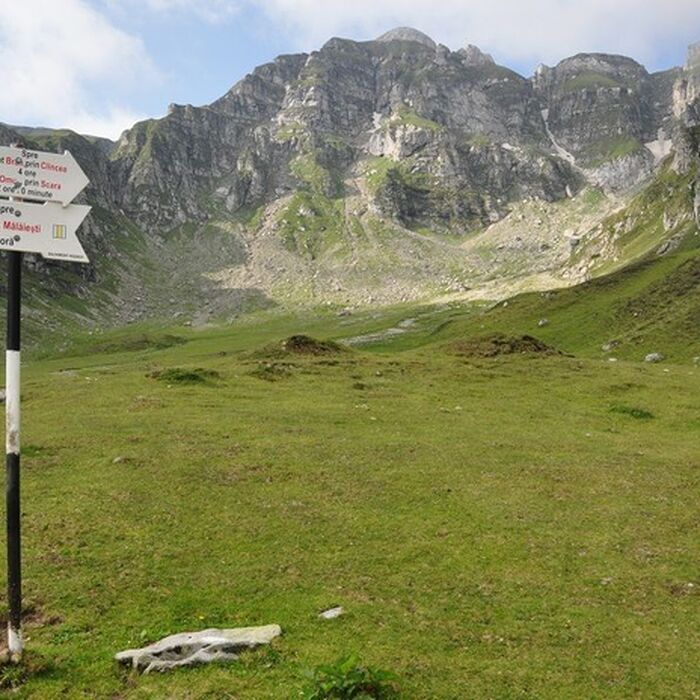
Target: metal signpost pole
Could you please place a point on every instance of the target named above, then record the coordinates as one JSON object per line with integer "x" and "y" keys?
{"x": 12, "y": 451}
{"x": 12, "y": 446}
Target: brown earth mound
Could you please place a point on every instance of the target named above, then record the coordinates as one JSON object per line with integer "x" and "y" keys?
{"x": 498, "y": 344}
{"x": 298, "y": 345}
{"x": 305, "y": 345}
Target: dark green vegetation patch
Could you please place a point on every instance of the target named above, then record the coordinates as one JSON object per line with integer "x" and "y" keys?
{"x": 632, "y": 411}
{"x": 348, "y": 679}
{"x": 180, "y": 375}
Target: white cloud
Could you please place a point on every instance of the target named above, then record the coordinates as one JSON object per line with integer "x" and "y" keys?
{"x": 55, "y": 62}
{"x": 515, "y": 30}
{"x": 108, "y": 123}
{"x": 213, "y": 11}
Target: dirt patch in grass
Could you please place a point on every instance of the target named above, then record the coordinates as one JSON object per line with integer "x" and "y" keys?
{"x": 33, "y": 616}
{"x": 498, "y": 344}
{"x": 181, "y": 375}
{"x": 683, "y": 589}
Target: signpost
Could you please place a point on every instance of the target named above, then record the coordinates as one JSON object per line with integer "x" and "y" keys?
{"x": 48, "y": 229}
{"x": 46, "y": 177}
{"x": 44, "y": 225}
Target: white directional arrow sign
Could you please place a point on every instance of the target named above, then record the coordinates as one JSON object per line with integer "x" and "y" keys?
{"x": 48, "y": 229}
{"x": 46, "y": 177}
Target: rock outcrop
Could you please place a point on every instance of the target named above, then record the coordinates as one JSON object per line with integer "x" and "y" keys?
{"x": 194, "y": 648}
{"x": 610, "y": 114}
{"x": 407, "y": 34}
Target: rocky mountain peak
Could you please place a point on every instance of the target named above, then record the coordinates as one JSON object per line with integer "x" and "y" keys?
{"x": 686, "y": 92}
{"x": 693, "y": 61}
{"x": 602, "y": 63}
{"x": 474, "y": 56}
{"x": 407, "y": 34}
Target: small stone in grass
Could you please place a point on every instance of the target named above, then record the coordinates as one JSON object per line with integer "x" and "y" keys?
{"x": 332, "y": 613}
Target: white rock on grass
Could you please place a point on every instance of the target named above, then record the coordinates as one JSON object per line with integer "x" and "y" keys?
{"x": 332, "y": 613}
{"x": 191, "y": 648}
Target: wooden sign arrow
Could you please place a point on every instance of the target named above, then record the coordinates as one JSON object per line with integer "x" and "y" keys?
{"x": 45, "y": 177}
{"x": 48, "y": 229}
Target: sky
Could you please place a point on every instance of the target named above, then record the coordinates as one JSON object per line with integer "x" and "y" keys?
{"x": 98, "y": 66}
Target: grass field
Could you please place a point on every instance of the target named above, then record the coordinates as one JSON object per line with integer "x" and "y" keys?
{"x": 519, "y": 526}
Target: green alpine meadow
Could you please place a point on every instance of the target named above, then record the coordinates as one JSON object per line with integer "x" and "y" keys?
{"x": 498, "y": 515}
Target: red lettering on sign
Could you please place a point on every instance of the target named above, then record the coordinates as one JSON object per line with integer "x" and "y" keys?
{"x": 21, "y": 227}
{"x": 53, "y": 167}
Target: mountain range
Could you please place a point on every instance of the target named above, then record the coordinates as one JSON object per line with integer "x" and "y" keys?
{"x": 379, "y": 172}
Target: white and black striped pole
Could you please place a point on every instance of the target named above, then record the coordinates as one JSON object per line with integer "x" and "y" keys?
{"x": 12, "y": 452}
{"x": 12, "y": 433}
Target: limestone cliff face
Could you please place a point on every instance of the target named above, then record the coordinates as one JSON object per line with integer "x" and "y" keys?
{"x": 466, "y": 137}
{"x": 593, "y": 99}
{"x": 471, "y": 129}
{"x": 686, "y": 107}
{"x": 610, "y": 114}
{"x": 686, "y": 95}
{"x": 165, "y": 167}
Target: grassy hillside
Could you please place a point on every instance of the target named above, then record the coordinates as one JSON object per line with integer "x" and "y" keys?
{"x": 652, "y": 306}
{"x": 660, "y": 216}
{"x": 516, "y": 526}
